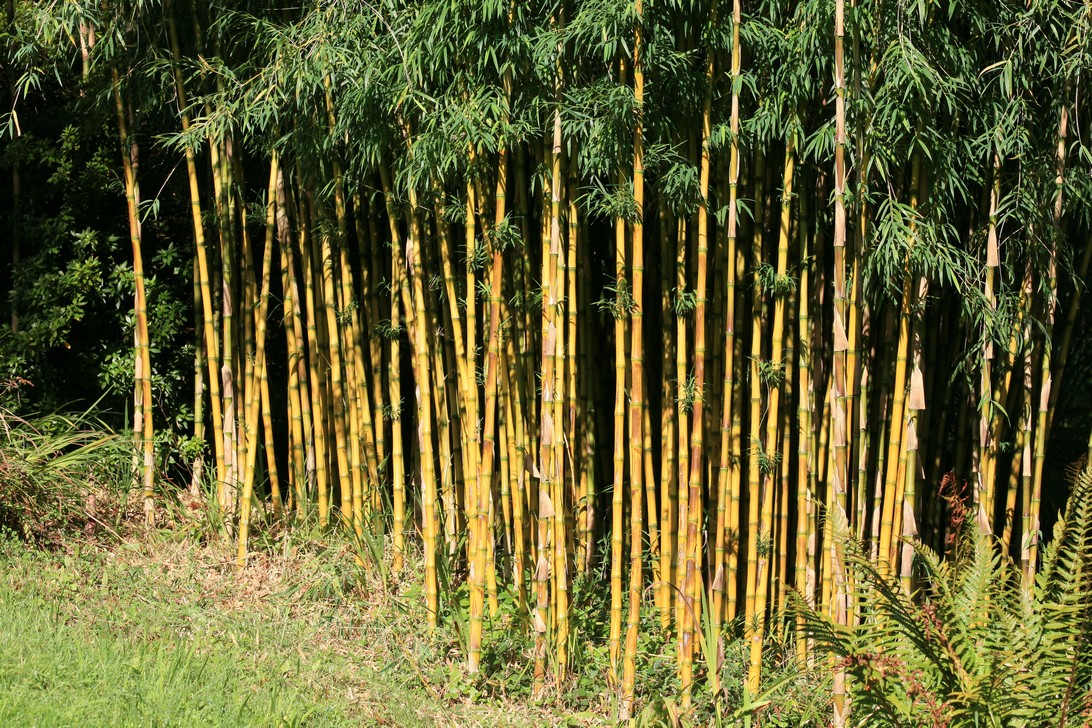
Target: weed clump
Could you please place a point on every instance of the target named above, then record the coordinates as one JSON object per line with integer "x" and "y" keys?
{"x": 60, "y": 476}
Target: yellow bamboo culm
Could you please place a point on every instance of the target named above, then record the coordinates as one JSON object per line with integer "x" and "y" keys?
{"x": 143, "y": 432}
{"x": 769, "y": 469}
{"x": 637, "y": 379}
{"x": 210, "y": 341}
{"x": 691, "y": 621}
{"x": 258, "y": 372}
{"x": 753, "y": 617}
{"x": 619, "y": 311}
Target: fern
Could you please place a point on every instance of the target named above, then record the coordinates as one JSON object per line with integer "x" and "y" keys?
{"x": 977, "y": 645}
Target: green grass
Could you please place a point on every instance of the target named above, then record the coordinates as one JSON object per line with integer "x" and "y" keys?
{"x": 57, "y": 674}
{"x": 158, "y": 633}
{"x": 72, "y": 653}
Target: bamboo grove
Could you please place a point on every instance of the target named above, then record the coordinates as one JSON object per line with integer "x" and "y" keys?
{"x": 631, "y": 292}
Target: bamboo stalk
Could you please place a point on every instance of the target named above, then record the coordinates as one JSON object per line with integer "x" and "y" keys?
{"x": 143, "y": 432}
{"x": 299, "y": 398}
{"x": 492, "y": 380}
{"x": 892, "y": 488}
{"x": 683, "y": 401}
{"x": 553, "y": 357}
{"x": 690, "y": 624}
{"x": 1045, "y": 376}
{"x": 211, "y": 344}
{"x": 668, "y": 429}
{"x": 770, "y": 447}
{"x": 620, "y": 311}
{"x": 753, "y": 618}
{"x": 804, "y": 496}
{"x": 229, "y": 485}
{"x": 260, "y": 317}
{"x": 637, "y": 381}
{"x": 315, "y": 376}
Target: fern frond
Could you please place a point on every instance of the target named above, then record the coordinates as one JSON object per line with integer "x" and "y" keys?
{"x": 974, "y": 646}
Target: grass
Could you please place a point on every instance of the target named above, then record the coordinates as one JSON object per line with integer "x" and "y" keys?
{"x": 155, "y": 632}
{"x": 57, "y": 674}
{"x": 106, "y": 623}
{"x": 161, "y": 629}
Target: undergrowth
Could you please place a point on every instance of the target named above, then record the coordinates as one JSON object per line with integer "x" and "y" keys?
{"x": 61, "y": 477}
